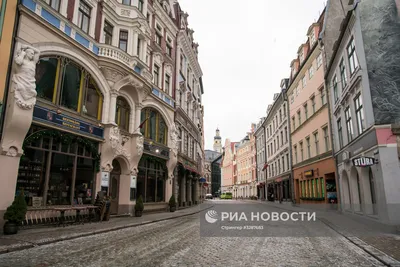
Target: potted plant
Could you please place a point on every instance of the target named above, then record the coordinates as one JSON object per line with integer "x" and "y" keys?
{"x": 172, "y": 204}
{"x": 139, "y": 207}
{"x": 15, "y": 214}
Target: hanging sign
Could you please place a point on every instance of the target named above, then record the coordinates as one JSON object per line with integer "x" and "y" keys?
{"x": 133, "y": 181}
{"x": 309, "y": 173}
{"x": 363, "y": 162}
{"x": 105, "y": 179}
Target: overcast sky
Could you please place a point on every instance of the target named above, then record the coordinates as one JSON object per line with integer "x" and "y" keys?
{"x": 245, "y": 50}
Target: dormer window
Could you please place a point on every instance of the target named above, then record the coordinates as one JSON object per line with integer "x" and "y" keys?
{"x": 312, "y": 38}
{"x": 301, "y": 55}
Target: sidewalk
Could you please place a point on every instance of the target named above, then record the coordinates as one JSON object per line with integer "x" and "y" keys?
{"x": 45, "y": 235}
{"x": 373, "y": 237}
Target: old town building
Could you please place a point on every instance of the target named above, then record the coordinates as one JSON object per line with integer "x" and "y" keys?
{"x": 189, "y": 113}
{"x": 91, "y": 104}
{"x": 278, "y": 163}
{"x": 245, "y": 185}
{"x": 210, "y": 157}
{"x": 228, "y": 167}
{"x": 259, "y": 136}
{"x": 364, "y": 109}
{"x": 313, "y": 165}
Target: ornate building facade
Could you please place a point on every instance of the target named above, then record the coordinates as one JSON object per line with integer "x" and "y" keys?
{"x": 91, "y": 104}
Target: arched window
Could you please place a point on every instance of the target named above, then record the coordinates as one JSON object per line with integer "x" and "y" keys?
{"x": 122, "y": 113}
{"x": 155, "y": 127}
{"x": 66, "y": 83}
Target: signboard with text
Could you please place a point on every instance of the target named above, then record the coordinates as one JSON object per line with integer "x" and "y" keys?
{"x": 47, "y": 116}
{"x": 105, "y": 179}
{"x": 363, "y": 161}
{"x": 133, "y": 181}
{"x": 309, "y": 173}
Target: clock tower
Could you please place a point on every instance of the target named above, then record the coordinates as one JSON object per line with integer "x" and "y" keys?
{"x": 217, "y": 142}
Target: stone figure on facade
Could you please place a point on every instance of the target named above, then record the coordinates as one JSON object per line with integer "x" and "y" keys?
{"x": 140, "y": 145}
{"x": 116, "y": 143}
{"x": 114, "y": 137}
{"x": 24, "y": 77}
{"x": 174, "y": 139}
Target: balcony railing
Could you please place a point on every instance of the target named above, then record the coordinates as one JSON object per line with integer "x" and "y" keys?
{"x": 116, "y": 54}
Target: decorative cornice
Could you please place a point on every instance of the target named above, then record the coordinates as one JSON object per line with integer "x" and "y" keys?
{"x": 183, "y": 39}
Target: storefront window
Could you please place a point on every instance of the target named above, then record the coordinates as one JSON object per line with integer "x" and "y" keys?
{"x": 155, "y": 127}
{"x": 67, "y": 84}
{"x": 32, "y": 174}
{"x": 66, "y": 163}
{"x": 151, "y": 180}
{"x": 46, "y": 74}
{"x": 322, "y": 187}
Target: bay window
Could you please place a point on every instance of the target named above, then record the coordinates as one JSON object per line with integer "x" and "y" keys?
{"x": 155, "y": 127}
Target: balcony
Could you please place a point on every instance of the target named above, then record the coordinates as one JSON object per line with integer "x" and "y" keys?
{"x": 132, "y": 62}
{"x": 164, "y": 97}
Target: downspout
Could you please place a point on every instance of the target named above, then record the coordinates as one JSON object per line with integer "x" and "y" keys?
{"x": 10, "y": 64}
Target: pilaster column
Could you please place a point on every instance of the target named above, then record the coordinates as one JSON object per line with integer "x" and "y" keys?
{"x": 145, "y": 3}
{"x": 144, "y": 50}
{"x": 113, "y": 106}
{"x": 135, "y": 43}
{"x": 138, "y": 112}
{"x": 183, "y": 190}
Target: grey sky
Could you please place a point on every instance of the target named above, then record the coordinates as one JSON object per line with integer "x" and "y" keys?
{"x": 245, "y": 50}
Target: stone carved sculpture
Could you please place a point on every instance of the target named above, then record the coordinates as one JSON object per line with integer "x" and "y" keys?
{"x": 24, "y": 77}
{"x": 116, "y": 143}
{"x": 140, "y": 145}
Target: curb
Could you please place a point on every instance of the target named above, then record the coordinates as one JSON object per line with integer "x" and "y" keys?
{"x": 102, "y": 231}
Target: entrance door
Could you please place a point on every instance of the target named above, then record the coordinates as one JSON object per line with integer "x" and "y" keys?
{"x": 114, "y": 187}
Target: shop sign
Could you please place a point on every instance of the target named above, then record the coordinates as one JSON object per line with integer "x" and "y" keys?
{"x": 133, "y": 181}
{"x": 309, "y": 173}
{"x": 62, "y": 121}
{"x": 363, "y": 162}
{"x": 105, "y": 178}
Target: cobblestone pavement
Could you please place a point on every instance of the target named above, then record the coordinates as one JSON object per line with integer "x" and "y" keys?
{"x": 177, "y": 242}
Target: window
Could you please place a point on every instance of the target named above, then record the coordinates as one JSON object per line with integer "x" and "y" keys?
{"x": 343, "y": 75}
{"x": 349, "y": 125}
{"x": 167, "y": 83}
{"x": 126, "y": 2}
{"x": 108, "y": 33}
{"x": 55, "y": 4}
{"x": 359, "y": 114}
{"x": 123, "y": 40}
{"x": 326, "y": 138}
{"x": 308, "y": 147}
{"x": 155, "y": 127}
{"x": 151, "y": 180}
{"x": 283, "y": 164}
{"x": 340, "y": 132}
{"x": 284, "y": 110}
{"x": 158, "y": 38}
{"x": 287, "y": 161}
{"x": 294, "y": 123}
{"x": 156, "y": 74}
{"x": 301, "y": 56}
{"x": 139, "y": 43}
{"x": 169, "y": 50}
{"x": 312, "y": 38}
{"x": 335, "y": 88}
{"x": 298, "y": 90}
{"x": 181, "y": 63}
{"x": 306, "y": 111}
{"x": 301, "y": 151}
{"x": 295, "y": 153}
{"x": 281, "y": 138}
{"x": 299, "y": 117}
{"x": 316, "y": 140}
{"x": 319, "y": 61}
{"x": 76, "y": 90}
{"x": 311, "y": 72}
{"x": 84, "y": 16}
{"x": 140, "y": 6}
{"x": 122, "y": 113}
{"x": 351, "y": 53}
{"x": 323, "y": 99}
{"x": 286, "y": 135}
{"x": 292, "y": 99}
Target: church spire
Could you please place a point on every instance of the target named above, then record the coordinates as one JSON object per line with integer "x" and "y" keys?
{"x": 217, "y": 141}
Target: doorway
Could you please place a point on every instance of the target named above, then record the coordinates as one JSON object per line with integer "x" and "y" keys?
{"x": 114, "y": 186}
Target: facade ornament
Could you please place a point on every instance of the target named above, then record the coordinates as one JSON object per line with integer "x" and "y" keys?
{"x": 117, "y": 143}
{"x": 12, "y": 152}
{"x": 140, "y": 145}
{"x": 108, "y": 167}
{"x": 174, "y": 139}
{"x": 146, "y": 93}
{"x": 134, "y": 171}
{"x": 147, "y": 75}
{"x": 24, "y": 78}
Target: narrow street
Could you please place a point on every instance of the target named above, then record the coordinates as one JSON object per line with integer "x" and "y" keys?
{"x": 177, "y": 242}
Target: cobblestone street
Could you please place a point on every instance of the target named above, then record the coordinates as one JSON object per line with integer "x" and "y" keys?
{"x": 177, "y": 242}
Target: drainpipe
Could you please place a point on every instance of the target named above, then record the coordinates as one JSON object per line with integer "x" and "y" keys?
{"x": 10, "y": 64}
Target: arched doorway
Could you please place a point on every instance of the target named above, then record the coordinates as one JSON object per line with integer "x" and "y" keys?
{"x": 346, "y": 191}
{"x": 114, "y": 186}
{"x": 356, "y": 189}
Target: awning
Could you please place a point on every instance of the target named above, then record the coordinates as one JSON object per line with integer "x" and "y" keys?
{"x": 265, "y": 166}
